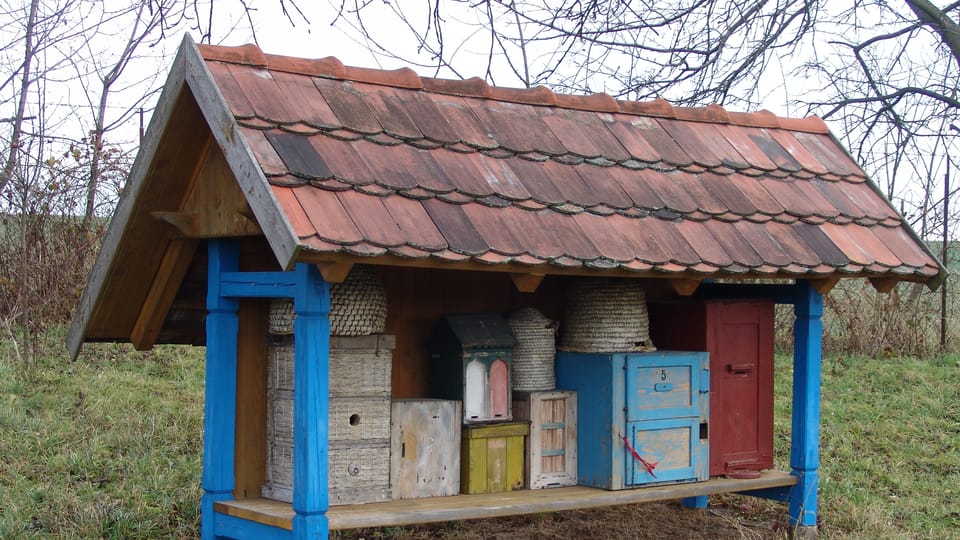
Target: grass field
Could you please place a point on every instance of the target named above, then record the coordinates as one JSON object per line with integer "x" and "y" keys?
{"x": 109, "y": 447}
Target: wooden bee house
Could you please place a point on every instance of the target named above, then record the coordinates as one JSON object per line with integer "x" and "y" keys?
{"x": 738, "y": 334}
{"x": 470, "y": 361}
{"x": 551, "y": 447}
{"x": 425, "y": 443}
{"x": 645, "y": 420}
{"x": 491, "y": 457}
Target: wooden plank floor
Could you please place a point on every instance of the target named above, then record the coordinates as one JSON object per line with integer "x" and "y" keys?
{"x": 413, "y": 511}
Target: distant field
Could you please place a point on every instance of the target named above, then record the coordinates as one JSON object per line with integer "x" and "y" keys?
{"x": 109, "y": 447}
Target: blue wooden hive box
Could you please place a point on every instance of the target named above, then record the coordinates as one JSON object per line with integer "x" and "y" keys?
{"x": 643, "y": 416}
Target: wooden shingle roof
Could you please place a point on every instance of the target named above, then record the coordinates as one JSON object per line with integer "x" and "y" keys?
{"x": 375, "y": 163}
{"x": 340, "y": 164}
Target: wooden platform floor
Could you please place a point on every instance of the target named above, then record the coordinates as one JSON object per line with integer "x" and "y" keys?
{"x": 413, "y": 511}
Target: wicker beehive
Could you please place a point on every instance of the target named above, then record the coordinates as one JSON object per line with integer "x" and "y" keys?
{"x": 533, "y": 355}
{"x": 359, "y": 419}
{"x": 358, "y": 307}
{"x": 606, "y": 315}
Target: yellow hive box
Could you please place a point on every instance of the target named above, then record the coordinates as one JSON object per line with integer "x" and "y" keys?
{"x": 491, "y": 457}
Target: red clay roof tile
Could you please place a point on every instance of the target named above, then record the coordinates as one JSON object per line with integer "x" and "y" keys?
{"x": 370, "y": 162}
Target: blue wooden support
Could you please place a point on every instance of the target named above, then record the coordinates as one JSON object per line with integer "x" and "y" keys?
{"x": 311, "y": 295}
{"x": 699, "y": 501}
{"x": 805, "y": 442}
{"x": 219, "y": 413}
{"x": 310, "y": 403}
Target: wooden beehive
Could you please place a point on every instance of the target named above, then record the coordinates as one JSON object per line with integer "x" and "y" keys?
{"x": 654, "y": 404}
{"x": 491, "y": 457}
{"x": 738, "y": 334}
{"x": 358, "y": 426}
{"x": 425, "y": 444}
{"x": 551, "y": 447}
{"x": 470, "y": 361}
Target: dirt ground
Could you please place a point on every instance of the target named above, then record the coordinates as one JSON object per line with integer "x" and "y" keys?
{"x": 728, "y": 517}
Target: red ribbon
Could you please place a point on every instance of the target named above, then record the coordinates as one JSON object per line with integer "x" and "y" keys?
{"x": 646, "y": 464}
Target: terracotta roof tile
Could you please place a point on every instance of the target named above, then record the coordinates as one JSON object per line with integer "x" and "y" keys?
{"x": 364, "y": 249}
{"x": 317, "y": 245}
{"x": 330, "y": 220}
{"x": 641, "y": 236}
{"x": 458, "y": 113}
{"x": 820, "y": 243}
{"x": 583, "y": 134}
{"x": 516, "y": 127}
{"x": 460, "y": 233}
{"x": 796, "y": 152}
{"x": 298, "y": 155}
{"x": 735, "y": 245}
{"x": 605, "y": 237}
{"x": 703, "y": 243}
{"x": 371, "y": 162}
{"x": 408, "y": 252}
{"x": 348, "y": 105}
{"x": 237, "y": 101}
{"x": 266, "y": 155}
{"x": 415, "y": 225}
{"x": 692, "y": 139}
{"x": 295, "y": 213}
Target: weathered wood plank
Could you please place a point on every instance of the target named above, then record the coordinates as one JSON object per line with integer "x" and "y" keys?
{"x": 488, "y": 505}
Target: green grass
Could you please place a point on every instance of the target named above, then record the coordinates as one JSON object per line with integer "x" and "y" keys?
{"x": 105, "y": 447}
{"x": 890, "y": 446}
{"x": 109, "y": 446}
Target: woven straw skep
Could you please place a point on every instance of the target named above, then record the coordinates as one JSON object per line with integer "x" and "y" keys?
{"x": 533, "y": 356}
{"x": 358, "y": 307}
{"x": 606, "y": 315}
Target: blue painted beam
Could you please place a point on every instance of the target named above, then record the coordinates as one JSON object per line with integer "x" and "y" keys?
{"x": 219, "y": 412}
{"x": 311, "y": 331}
{"x": 805, "y": 442}
{"x": 240, "y": 529}
{"x": 779, "y": 494}
{"x": 258, "y": 284}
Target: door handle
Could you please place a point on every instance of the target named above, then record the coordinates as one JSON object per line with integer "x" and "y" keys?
{"x": 742, "y": 368}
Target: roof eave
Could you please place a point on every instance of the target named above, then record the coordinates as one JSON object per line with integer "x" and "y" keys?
{"x": 105, "y": 262}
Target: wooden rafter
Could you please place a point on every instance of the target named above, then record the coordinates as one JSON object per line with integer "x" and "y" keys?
{"x": 527, "y": 283}
{"x": 163, "y": 291}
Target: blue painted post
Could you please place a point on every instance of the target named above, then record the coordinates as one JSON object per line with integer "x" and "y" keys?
{"x": 698, "y": 502}
{"x": 219, "y": 412}
{"x": 805, "y": 443}
{"x": 311, "y": 331}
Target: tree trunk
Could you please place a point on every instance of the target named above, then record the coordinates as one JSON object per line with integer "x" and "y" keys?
{"x": 28, "y": 53}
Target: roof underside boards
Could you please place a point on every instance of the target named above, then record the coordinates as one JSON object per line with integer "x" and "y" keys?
{"x": 371, "y": 163}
